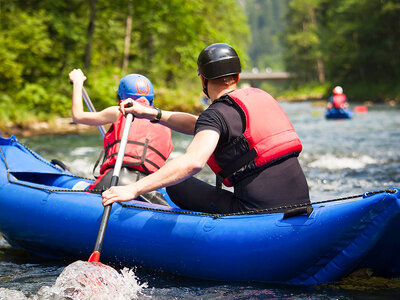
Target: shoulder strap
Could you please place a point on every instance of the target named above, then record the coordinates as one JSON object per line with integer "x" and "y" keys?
{"x": 101, "y": 157}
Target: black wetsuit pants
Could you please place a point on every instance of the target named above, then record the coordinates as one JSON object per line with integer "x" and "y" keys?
{"x": 282, "y": 184}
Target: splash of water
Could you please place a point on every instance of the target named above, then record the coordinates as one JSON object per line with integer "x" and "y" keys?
{"x": 332, "y": 162}
{"x": 84, "y": 280}
{"x": 11, "y": 294}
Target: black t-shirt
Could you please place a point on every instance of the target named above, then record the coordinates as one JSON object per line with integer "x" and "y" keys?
{"x": 211, "y": 119}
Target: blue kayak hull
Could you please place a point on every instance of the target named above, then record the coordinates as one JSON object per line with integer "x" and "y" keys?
{"x": 41, "y": 213}
{"x": 338, "y": 113}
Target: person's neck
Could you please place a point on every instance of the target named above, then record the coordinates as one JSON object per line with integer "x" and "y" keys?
{"x": 218, "y": 92}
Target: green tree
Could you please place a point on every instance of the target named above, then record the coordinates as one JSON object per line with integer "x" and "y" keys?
{"x": 303, "y": 39}
{"x": 353, "y": 42}
{"x": 364, "y": 40}
{"x": 43, "y": 40}
{"x": 267, "y": 21}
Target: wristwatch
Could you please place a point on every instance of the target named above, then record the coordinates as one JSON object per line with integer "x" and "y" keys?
{"x": 158, "y": 117}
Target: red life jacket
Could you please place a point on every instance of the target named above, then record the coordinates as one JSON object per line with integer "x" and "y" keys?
{"x": 149, "y": 145}
{"x": 268, "y": 136}
{"x": 338, "y": 100}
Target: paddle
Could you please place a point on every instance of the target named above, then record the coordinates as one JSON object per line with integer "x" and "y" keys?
{"x": 360, "y": 109}
{"x": 91, "y": 108}
{"x": 95, "y": 256}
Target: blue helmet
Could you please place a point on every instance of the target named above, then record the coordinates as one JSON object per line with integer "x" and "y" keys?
{"x": 135, "y": 86}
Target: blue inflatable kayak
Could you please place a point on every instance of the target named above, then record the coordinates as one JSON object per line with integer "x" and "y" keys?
{"x": 44, "y": 211}
{"x": 338, "y": 113}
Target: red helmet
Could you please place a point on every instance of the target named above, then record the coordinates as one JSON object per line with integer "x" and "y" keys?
{"x": 337, "y": 90}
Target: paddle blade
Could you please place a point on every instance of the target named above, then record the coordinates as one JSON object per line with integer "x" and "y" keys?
{"x": 95, "y": 257}
{"x": 360, "y": 109}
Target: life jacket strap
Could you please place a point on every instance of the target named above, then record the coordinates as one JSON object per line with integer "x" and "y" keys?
{"x": 102, "y": 156}
{"x": 238, "y": 164}
{"x": 142, "y": 159}
{"x": 136, "y": 143}
{"x": 218, "y": 181}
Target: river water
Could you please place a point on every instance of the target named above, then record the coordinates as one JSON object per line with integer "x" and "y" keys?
{"x": 340, "y": 158}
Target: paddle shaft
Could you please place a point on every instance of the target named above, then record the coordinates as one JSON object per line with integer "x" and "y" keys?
{"x": 114, "y": 181}
{"x": 92, "y": 109}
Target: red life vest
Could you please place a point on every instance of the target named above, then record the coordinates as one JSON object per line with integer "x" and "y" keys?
{"x": 338, "y": 100}
{"x": 149, "y": 145}
{"x": 268, "y": 136}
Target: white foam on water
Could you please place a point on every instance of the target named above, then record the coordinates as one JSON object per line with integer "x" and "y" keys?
{"x": 84, "y": 280}
{"x": 329, "y": 161}
{"x": 81, "y": 151}
{"x": 3, "y": 242}
{"x": 82, "y": 167}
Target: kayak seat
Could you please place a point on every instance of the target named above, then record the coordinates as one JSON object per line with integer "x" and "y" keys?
{"x": 50, "y": 180}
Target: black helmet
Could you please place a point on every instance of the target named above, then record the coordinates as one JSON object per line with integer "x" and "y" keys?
{"x": 218, "y": 60}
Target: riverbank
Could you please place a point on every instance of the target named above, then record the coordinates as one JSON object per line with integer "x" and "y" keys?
{"x": 57, "y": 126}
{"x": 60, "y": 126}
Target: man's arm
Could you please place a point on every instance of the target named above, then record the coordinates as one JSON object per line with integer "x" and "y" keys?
{"x": 173, "y": 172}
{"x": 178, "y": 121}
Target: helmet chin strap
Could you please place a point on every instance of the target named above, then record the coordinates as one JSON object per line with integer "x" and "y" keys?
{"x": 205, "y": 88}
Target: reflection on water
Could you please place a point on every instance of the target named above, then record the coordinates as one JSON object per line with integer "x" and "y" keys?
{"x": 339, "y": 158}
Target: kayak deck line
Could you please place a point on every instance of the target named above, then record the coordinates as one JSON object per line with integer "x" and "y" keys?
{"x": 265, "y": 210}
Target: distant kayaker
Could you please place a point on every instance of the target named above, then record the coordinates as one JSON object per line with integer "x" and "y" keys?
{"x": 149, "y": 145}
{"x": 338, "y": 99}
{"x": 244, "y": 135}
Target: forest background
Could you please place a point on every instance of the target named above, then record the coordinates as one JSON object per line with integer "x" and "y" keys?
{"x": 352, "y": 43}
